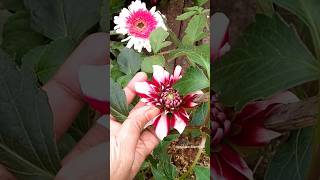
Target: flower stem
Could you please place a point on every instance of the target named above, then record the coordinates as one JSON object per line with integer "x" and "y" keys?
{"x": 195, "y": 161}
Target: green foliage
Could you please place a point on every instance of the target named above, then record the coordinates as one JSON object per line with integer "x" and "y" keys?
{"x": 202, "y": 172}
{"x": 157, "y": 39}
{"x": 27, "y": 143}
{"x": 45, "y": 60}
{"x": 269, "y": 52}
{"x": 292, "y": 159}
{"x": 64, "y": 18}
{"x": 118, "y": 102}
{"x": 200, "y": 115}
{"x": 129, "y": 61}
{"x": 194, "y": 31}
{"x": 148, "y": 62}
{"x": 193, "y": 80}
{"x": 18, "y": 37}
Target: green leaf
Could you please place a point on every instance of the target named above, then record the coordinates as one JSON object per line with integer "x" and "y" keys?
{"x": 27, "y": 140}
{"x": 129, "y": 61}
{"x": 186, "y": 15}
{"x": 104, "y": 16}
{"x": 201, "y": 172}
{"x": 115, "y": 71}
{"x": 200, "y": 2}
{"x": 193, "y": 80}
{"x": 118, "y": 102}
{"x": 292, "y": 159}
{"x": 194, "y": 30}
{"x": 124, "y": 80}
{"x": 45, "y": 60}
{"x": 268, "y": 58}
{"x": 18, "y": 37}
{"x": 148, "y": 62}
{"x": 63, "y": 18}
{"x": 199, "y": 55}
{"x": 200, "y": 114}
{"x": 116, "y": 5}
{"x": 157, "y": 39}
{"x": 308, "y": 12}
{"x": 158, "y": 175}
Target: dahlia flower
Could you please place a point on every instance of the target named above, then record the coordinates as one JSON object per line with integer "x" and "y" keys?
{"x": 160, "y": 93}
{"x": 246, "y": 129}
{"x": 220, "y": 36}
{"x": 138, "y": 22}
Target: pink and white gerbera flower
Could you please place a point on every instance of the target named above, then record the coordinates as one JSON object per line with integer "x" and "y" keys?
{"x": 138, "y": 22}
{"x": 160, "y": 93}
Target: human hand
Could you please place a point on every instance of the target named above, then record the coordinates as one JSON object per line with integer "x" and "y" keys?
{"x": 130, "y": 143}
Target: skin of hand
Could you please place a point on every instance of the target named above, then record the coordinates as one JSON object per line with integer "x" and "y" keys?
{"x": 129, "y": 143}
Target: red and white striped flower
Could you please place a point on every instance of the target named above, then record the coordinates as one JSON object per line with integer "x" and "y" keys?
{"x": 138, "y": 22}
{"x": 160, "y": 93}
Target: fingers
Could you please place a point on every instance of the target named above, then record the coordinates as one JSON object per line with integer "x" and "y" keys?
{"x": 91, "y": 164}
{"x": 130, "y": 131}
{"x": 148, "y": 141}
{"x": 64, "y": 90}
{"x": 130, "y": 90}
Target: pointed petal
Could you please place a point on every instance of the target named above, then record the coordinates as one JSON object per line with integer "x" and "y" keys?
{"x": 181, "y": 119}
{"x": 232, "y": 158}
{"x": 177, "y": 73}
{"x": 219, "y": 33}
{"x": 101, "y": 106}
{"x": 188, "y": 100}
{"x": 254, "y": 134}
{"x": 158, "y": 74}
{"x": 161, "y": 125}
{"x": 143, "y": 88}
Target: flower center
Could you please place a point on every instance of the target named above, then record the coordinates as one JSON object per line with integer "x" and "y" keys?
{"x": 170, "y": 99}
{"x": 140, "y": 25}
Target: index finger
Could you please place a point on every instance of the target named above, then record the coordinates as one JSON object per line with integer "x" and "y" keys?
{"x": 63, "y": 90}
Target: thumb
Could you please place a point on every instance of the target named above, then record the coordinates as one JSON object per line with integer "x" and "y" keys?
{"x": 130, "y": 130}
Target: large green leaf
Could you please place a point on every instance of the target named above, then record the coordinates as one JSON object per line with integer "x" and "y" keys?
{"x": 18, "y": 37}
{"x": 200, "y": 115}
{"x": 27, "y": 143}
{"x": 45, "y": 60}
{"x": 157, "y": 39}
{"x": 104, "y": 16}
{"x": 198, "y": 55}
{"x": 129, "y": 61}
{"x": 292, "y": 159}
{"x": 194, "y": 30}
{"x": 202, "y": 172}
{"x": 118, "y": 102}
{"x": 193, "y": 80}
{"x": 63, "y": 18}
{"x": 149, "y": 61}
{"x": 269, "y": 57}
{"x": 308, "y": 11}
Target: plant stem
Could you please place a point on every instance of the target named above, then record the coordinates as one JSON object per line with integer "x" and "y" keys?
{"x": 166, "y": 52}
{"x": 198, "y": 155}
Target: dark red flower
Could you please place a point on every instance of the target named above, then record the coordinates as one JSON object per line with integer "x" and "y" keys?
{"x": 246, "y": 129}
